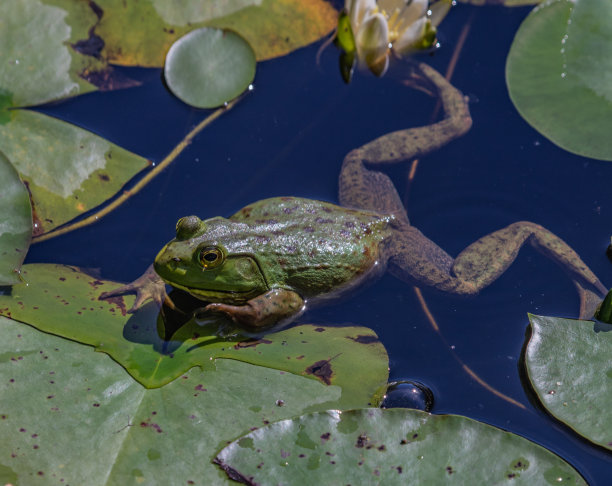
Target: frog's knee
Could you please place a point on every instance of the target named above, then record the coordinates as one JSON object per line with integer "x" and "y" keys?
{"x": 525, "y": 226}
{"x": 460, "y": 287}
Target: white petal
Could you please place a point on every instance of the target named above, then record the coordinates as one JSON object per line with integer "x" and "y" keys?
{"x": 359, "y": 11}
{"x": 413, "y": 12}
{"x": 410, "y": 36}
{"x": 439, "y": 10}
{"x": 390, "y": 5}
{"x": 373, "y": 39}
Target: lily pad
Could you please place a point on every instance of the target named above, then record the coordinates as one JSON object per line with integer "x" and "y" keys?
{"x": 140, "y": 33}
{"x": 568, "y": 365}
{"x": 68, "y": 170}
{"x": 16, "y": 223}
{"x": 559, "y": 74}
{"x": 394, "y": 446}
{"x": 36, "y": 59}
{"x": 64, "y": 301}
{"x": 208, "y": 67}
{"x": 70, "y": 416}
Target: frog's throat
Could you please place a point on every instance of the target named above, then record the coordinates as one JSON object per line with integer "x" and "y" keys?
{"x": 223, "y": 296}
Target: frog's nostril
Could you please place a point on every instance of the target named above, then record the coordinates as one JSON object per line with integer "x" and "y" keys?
{"x": 176, "y": 259}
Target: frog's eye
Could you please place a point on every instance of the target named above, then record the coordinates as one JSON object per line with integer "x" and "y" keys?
{"x": 210, "y": 257}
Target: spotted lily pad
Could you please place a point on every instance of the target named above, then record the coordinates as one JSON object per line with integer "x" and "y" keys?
{"x": 16, "y": 226}
{"x": 208, "y": 67}
{"x": 60, "y": 402}
{"x": 568, "y": 365}
{"x": 559, "y": 74}
{"x": 62, "y": 300}
{"x": 68, "y": 170}
{"x": 394, "y": 446}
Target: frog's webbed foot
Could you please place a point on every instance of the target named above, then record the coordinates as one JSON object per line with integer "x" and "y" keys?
{"x": 589, "y": 301}
{"x": 263, "y": 311}
{"x": 148, "y": 286}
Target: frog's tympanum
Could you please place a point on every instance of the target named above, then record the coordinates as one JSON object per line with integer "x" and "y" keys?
{"x": 264, "y": 264}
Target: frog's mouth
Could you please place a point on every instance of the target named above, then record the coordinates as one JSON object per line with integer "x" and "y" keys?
{"x": 234, "y": 297}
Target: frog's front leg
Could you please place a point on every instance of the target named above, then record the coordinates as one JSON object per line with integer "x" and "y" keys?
{"x": 148, "y": 286}
{"x": 276, "y": 305}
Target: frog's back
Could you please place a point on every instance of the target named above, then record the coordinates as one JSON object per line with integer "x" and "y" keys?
{"x": 315, "y": 247}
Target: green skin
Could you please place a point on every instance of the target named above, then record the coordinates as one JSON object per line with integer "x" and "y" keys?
{"x": 264, "y": 264}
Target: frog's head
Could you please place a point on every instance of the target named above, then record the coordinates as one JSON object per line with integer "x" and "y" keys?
{"x": 197, "y": 262}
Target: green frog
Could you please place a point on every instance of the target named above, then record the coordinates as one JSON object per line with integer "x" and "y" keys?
{"x": 266, "y": 263}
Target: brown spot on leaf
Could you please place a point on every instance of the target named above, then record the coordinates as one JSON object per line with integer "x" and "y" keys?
{"x": 364, "y": 339}
{"x": 148, "y": 424}
{"x": 251, "y": 344}
{"x": 108, "y": 79}
{"x": 362, "y": 440}
{"x": 119, "y": 302}
{"x": 322, "y": 370}
{"x": 92, "y": 46}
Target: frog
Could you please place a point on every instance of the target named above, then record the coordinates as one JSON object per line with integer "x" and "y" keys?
{"x": 264, "y": 265}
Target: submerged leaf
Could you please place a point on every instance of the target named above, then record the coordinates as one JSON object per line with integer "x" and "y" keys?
{"x": 71, "y": 416}
{"x": 568, "y": 365}
{"x": 15, "y": 223}
{"x": 63, "y": 301}
{"x": 559, "y": 74}
{"x": 208, "y": 67}
{"x": 395, "y": 446}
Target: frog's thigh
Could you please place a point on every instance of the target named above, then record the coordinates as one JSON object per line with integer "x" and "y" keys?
{"x": 367, "y": 189}
{"x": 266, "y": 310}
{"x": 487, "y": 258}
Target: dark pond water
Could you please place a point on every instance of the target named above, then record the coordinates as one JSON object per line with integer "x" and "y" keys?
{"x": 289, "y": 136}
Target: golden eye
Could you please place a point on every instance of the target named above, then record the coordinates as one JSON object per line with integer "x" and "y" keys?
{"x": 211, "y": 257}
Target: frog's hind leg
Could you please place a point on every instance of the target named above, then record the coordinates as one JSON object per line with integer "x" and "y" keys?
{"x": 486, "y": 259}
{"x": 363, "y": 187}
{"x": 416, "y": 259}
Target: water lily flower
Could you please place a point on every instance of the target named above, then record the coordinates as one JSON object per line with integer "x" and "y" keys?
{"x": 398, "y": 26}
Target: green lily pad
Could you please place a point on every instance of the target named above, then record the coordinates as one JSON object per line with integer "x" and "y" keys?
{"x": 36, "y": 58}
{"x": 208, "y": 67}
{"x": 394, "y": 446}
{"x": 559, "y": 74}
{"x": 568, "y": 365}
{"x": 64, "y": 301}
{"x": 70, "y": 416}
{"x": 140, "y": 33}
{"x": 68, "y": 170}
{"x": 15, "y": 223}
